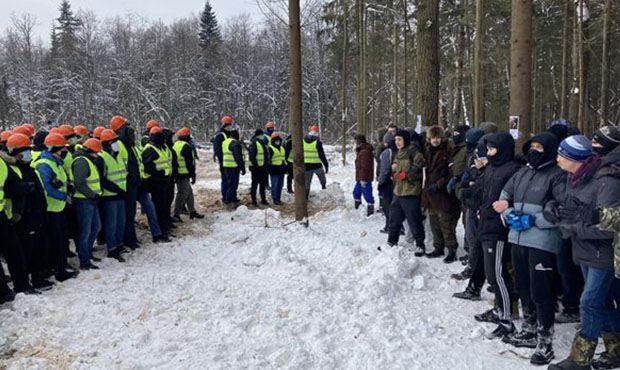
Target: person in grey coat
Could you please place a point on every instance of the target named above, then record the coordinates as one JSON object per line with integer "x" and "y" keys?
{"x": 535, "y": 241}
{"x": 384, "y": 176}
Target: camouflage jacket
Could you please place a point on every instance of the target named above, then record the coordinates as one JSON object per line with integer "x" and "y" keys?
{"x": 610, "y": 221}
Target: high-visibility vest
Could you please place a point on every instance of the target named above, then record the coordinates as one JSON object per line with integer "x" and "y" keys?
{"x": 311, "y": 153}
{"x": 178, "y": 147}
{"x": 8, "y": 203}
{"x": 277, "y": 159}
{"x": 162, "y": 163}
{"x": 229, "y": 159}
{"x": 170, "y": 157}
{"x": 123, "y": 154}
{"x": 93, "y": 181}
{"x": 260, "y": 154}
{"x": 67, "y": 162}
{"x": 36, "y": 154}
{"x": 54, "y": 205}
{"x": 116, "y": 172}
{"x": 137, "y": 151}
{"x": 4, "y": 173}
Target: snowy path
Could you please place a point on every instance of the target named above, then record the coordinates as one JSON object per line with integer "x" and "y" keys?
{"x": 237, "y": 295}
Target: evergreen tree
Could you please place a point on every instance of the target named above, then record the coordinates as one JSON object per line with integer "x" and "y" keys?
{"x": 65, "y": 31}
{"x": 210, "y": 36}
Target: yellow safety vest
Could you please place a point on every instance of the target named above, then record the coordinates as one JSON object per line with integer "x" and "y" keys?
{"x": 36, "y": 154}
{"x": 260, "y": 154}
{"x": 116, "y": 172}
{"x": 178, "y": 147}
{"x": 8, "y": 205}
{"x": 229, "y": 159}
{"x": 311, "y": 154}
{"x": 4, "y": 173}
{"x": 54, "y": 205}
{"x": 93, "y": 181}
{"x": 66, "y": 164}
{"x": 277, "y": 159}
{"x": 163, "y": 162}
{"x": 170, "y": 158}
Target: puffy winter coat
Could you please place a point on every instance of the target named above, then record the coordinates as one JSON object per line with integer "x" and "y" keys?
{"x": 435, "y": 196}
{"x": 408, "y": 175}
{"x": 364, "y": 163}
{"x": 500, "y": 169}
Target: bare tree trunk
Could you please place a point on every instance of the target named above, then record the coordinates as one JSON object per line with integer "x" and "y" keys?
{"x": 301, "y": 206}
{"x": 460, "y": 68}
{"x": 428, "y": 61}
{"x": 396, "y": 36}
{"x": 521, "y": 63}
{"x": 478, "y": 65}
{"x": 583, "y": 82}
{"x": 568, "y": 13}
{"x": 405, "y": 66}
{"x": 574, "y": 91}
{"x": 343, "y": 86}
{"x": 362, "y": 103}
{"x": 605, "y": 62}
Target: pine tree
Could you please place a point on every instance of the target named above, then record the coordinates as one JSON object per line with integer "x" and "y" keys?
{"x": 65, "y": 31}
{"x": 210, "y": 36}
{"x": 5, "y": 103}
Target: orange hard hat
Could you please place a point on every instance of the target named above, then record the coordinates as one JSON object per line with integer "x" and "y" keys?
{"x": 66, "y": 130}
{"x": 227, "y": 120}
{"x": 97, "y": 132}
{"x": 93, "y": 144}
{"x": 55, "y": 130}
{"x": 21, "y": 130}
{"x": 314, "y": 128}
{"x": 30, "y": 128}
{"x": 107, "y": 135}
{"x": 55, "y": 140}
{"x": 270, "y": 124}
{"x": 155, "y": 130}
{"x": 81, "y": 130}
{"x": 152, "y": 123}
{"x": 117, "y": 122}
{"x": 274, "y": 135}
{"x": 184, "y": 132}
{"x": 18, "y": 141}
{"x": 4, "y": 136}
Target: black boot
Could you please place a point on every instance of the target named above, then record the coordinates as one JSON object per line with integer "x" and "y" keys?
{"x": 42, "y": 284}
{"x": 65, "y": 275}
{"x": 435, "y": 253}
{"x": 503, "y": 329}
{"x": 8, "y": 296}
{"x": 488, "y": 316}
{"x": 370, "y": 209}
{"x": 526, "y": 338}
{"x": 197, "y": 215}
{"x": 471, "y": 294}
{"x": 464, "y": 275}
{"x": 161, "y": 239}
{"x": 116, "y": 254}
{"x": 451, "y": 257}
{"x": 357, "y": 204}
{"x": 420, "y": 251}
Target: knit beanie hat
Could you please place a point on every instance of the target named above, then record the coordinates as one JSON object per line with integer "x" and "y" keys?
{"x": 608, "y": 137}
{"x": 576, "y": 148}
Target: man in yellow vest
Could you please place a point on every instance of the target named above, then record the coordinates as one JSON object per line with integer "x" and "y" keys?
{"x": 259, "y": 160}
{"x": 233, "y": 165}
{"x": 314, "y": 159}
{"x": 54, "y": 179}
{"x": 158, "y": 171}
{"x": 87, "y": 183}
{"x": 114, "y": 184}
{"x": 186, "y": 175}
{"x": 222, "y": 134}
{"x": 277, "y": 167}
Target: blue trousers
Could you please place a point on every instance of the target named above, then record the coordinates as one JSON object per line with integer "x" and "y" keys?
{"x": 230, "y": 184}
{"x": 88, "y": 226}
{"x": 277, "y": 182}
{"x": 598, "y": 312}
{"x": 365, "y": 190}
{"x": 114, "y": 222}
{"x": 147, "y": 207}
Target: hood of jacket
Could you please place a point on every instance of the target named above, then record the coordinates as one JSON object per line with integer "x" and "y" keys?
{"x": 549, "y": 143}
{"x": 505, "y": 145}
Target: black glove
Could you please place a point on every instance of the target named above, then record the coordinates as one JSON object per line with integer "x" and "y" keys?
{"x": 243, "y": 172}
{"x": 569, "y": 213}
{"x": 193, "y": 180}
{"x": 550, "y": 212}
{"x": 56, "y": 184}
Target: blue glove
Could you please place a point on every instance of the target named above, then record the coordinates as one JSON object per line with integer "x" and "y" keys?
{"x": 451, "y": 185}
{"x": 519, "y": 222}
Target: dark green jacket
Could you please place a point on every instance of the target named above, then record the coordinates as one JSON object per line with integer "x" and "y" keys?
{"x": 408, "y": 174}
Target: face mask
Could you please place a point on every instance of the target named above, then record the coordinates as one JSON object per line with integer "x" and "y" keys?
{"x": 114, "y": 146}
{"x": 27, "y": 156}
{"x": 535, "y": 158}
{"x": 73, "y": 140}
{"x": 602, "y": 150}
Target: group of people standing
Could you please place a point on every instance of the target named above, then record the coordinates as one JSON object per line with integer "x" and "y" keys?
{"x": 70, "y": 183}
{"x": 539, "y": 226}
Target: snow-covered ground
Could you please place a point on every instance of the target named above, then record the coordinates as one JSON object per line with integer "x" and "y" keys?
{"x": 250, "y": 289}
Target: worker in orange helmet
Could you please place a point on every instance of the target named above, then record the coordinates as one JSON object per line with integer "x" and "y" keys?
{"x": 148, "y": 126}
{"x": 315, "y": 161}
{"x": 4, "y": 136}
{"x": 97, "y": 132}
{"x": 31, "y": 130}
{"x": 222, "y": 134}
{"x": 270, "y": 128}
{"x": 54, "y": 178}
{"x": 21, "y": 130}
{"x": 29, "y": 211}
{"x": 186, "y": 175}
{"x": 82, "y": 134}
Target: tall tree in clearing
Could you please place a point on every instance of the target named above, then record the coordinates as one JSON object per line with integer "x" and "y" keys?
{"x": 210, "y": 37}
{"x": 427, "y": 61}
{"x": 521, "y": 63}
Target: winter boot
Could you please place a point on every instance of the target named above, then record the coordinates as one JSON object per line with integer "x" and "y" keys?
{"x": 610, "y": 359}
{"x": 8, "y": 296}
{"x": 435, "y": 253}
{"x": 420, "y": 251}
{"x": 451, "y": 257}
{"x": 63, "y": 275}
{"x": 357, "y": 203}
{"x": 161, "y": 239}
{"x": 197, "y": 215}
{"x": 176, "y": 219}
{"x": 471, "y": 293}
{"x": 384, "y": 230}
{"x": 370, "y": 209}
{"x": 488, "y": 316}
{"x": 41, "y": 283}
{"x": 568, "y": 317}
{"x": 464, "y": 275}
{"x": 544, "y": 349}
{"x": 580, "y": 358}
{"x": 89, "y": 266}
{"x": 503, "y": 329}
{"x": 526, "y": 338}
{"x": 116, "y": 254}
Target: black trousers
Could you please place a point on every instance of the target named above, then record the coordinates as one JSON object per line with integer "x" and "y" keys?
{"x": 35, "y": 247}
{"x": 496, "y": 259}
{"x": 406, "y": 208}
{"x": 386, "y": 193}
{"x": 58, "y": 238}
{"x": 159, "y": 195}
{"x": 289, "y": 179}
{"x": 534, "y": 271}
{"x": 131, "y": 198}
{"x": 12, "y": 251}
{"x": 260, "y": 180}
{"x": 571, "y": 278}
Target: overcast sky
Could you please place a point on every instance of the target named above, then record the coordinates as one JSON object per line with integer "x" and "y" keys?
{"x": 167, "y": 10}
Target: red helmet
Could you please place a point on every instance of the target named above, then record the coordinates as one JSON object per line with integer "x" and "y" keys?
{"x": 55, "y": 140}
{"x": 97, "y": 132}
{"x": 117, "y": 122}
{"x": 66, "y": 130}
{"x": 108, "y": 135}
{"x": 30, "y": 128}
{"x": 227, "y": 120}
{"x": 80, "y": 130}
{"x": 4, "y": 136}
{"x": 155, "y": 130}
{"x": 184, "y": 132}
{"x": 93, "y": 144}
{"x": 274, "y": 135}
{"x": 152, "y": 123}
{"x": 18, "y": 141}
{"x": 21, "y": 130}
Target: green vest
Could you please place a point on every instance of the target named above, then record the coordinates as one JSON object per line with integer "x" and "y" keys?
{"x": 277, "y": 159}
{"x": 93, "y": 181}
{"x": 178, "y": 147}
{"x": 163, "y": 162}
{"x": 116, "y": 172}
{"x": 311, "y": 154}
{"x": 137, "y": 151}
{"x": 35, "y": 155}
{"x": 260, "y": 154}
{"x": 4, "y": 173}
{"x": 66, "y": 164}
{"x": 8, "y": 205}
{"x": 227, "y": 155}
{"x": 54, "y": 205}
